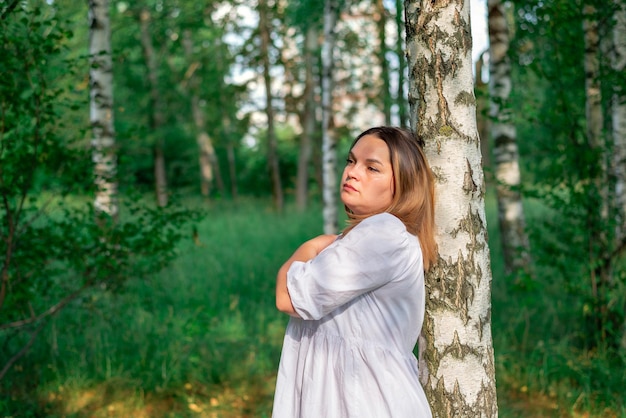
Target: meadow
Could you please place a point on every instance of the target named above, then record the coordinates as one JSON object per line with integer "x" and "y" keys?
{"x": 202, "y": 338}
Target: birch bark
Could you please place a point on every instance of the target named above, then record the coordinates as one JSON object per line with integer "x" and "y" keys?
{"x": 400, "y": 96}
{"x": 618, "y": 116}
{"x": 515, "y": 243}
{"x": 456, "y": 349}
{"x": 101, "y": 108}
{"x": 329, "y": 157}
{"x": 206, "y": 152}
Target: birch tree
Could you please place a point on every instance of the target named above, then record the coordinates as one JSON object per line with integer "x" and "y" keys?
{"x": 456, "y": 351}
{"x": 515, "y": 243}
{"x": 308, "y": 118}
{"x": 206, "y": 152}
{"x": 381, "y": 25}
{"x": 329, "y": 157}
{"x": 618, "y": 131}
{"x": 101, "y": 108}
{"x": 400, "y": 96}
{"x": 156, "y": 115}
{"x": 272, "y": 148}
{"x": 618, "y": 116}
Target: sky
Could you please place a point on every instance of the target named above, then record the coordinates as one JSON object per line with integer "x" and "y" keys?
{"x": 478, "y": 20}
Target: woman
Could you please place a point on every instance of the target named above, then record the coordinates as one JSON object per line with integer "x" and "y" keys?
{"x": 357, "y": 300}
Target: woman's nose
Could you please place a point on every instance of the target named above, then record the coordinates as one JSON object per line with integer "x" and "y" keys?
{"x": 351, "y": 172}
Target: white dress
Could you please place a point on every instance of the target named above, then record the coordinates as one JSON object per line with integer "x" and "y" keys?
{"x": 361, "y": 301}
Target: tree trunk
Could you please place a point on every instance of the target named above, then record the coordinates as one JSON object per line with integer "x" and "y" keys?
{"x": 308, "y": 119}
{"x": 480, "y": 89}
{"x": 618, "y": 128}
{"x": 232, "y": 169}
{"x": 101, "y": 108}
{"x": 381, "y": 23}
{"x": 329, "y": 151}
{"x": 618, "y": 116}
{"x": 598, "y": 201}
{"x": 272, "y": 148}
{"x": 400, "y": 97}
{"x": 514, "y": 240}
{"x": 206, "y": 153}
{"x": 456, "y": 349}
{"x": 156, "y": 112}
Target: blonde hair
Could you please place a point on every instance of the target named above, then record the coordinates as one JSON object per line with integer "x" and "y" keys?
{"x": 413, "y": 200}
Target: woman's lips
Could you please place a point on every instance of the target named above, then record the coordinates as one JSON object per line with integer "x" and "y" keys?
{"x": 346, "y": 186}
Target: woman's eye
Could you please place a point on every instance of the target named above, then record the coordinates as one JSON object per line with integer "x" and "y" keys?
{"x": 372, "y": 169}
{"x": 349, "y": 161}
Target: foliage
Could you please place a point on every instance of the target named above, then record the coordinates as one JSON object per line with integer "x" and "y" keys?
{"x": 195, "y": 324}
{"x": 203, "y": 327}
{"x": 574, "y": 239}
{"x": 55, "y": 248}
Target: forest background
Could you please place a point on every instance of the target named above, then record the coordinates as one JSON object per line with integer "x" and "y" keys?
{"x": 166, "y": 308}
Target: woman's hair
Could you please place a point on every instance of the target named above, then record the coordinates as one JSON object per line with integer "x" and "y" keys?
{"x": 413, "y": 200}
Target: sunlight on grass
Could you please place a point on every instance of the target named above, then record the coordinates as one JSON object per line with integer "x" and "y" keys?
{"x": 203, "y": 338}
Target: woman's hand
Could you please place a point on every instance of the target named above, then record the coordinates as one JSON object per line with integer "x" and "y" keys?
{"x": 313, "y": 247}
{"x": 305, "y": 252}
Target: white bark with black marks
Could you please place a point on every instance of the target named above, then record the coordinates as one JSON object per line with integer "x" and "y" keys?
{"x": 456, "y": 348}
{"x": 329, "y": 146}
{"x": 104, "y": 153}
{"x": 514, "y": 240}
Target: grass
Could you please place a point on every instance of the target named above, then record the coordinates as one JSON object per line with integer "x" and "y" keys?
{"x": 203, "y": 338}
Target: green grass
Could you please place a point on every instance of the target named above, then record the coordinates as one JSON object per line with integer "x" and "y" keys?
{"x": 203, "y": 337}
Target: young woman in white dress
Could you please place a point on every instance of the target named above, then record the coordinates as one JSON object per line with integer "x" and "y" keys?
{"x": 357, "y": 300}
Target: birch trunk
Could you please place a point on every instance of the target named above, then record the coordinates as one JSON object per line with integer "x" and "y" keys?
{"x": 456, "y": 356}
{"x": 618, "y": 116}
{"x": 400, "y": 96}
{"x": 156, "y": 112}
{"x": 593, "y": 95}
{"x": 515, "y": 243}
{"x": 480, "y": 89}
{"x": 206, "y": 153}
{"x": 329, "y": 152}
{"x": 381, "y": 23}
{"x": 308, "y": 120}
{"x": 598, "y": 204}
{"x": 101, "y": 108}
{"x": 272, "y": 149}
{"x": 618, "y": 134}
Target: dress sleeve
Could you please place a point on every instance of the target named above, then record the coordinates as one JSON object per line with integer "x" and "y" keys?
{"x": 363, "y": 260}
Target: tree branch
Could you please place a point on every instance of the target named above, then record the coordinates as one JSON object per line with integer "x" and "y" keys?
{"x": 51, "y": 311}
{"x": 8, "y": 9}
{"x": 23, "y": 351}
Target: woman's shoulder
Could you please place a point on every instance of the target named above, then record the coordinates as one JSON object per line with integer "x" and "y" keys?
{"x": 386, "y": 219}
{"x": 382, "y": 227}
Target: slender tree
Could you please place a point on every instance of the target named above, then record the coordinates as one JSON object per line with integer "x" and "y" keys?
{"x": 514, "y": 240}
{"x": 381, "y": 25}
{"x": 206, "y": 152}
{"x": 618, "y": 115}
{"x": 156, "y": 115}
{"x": 101, "y": 108}
{"x": 456, "y": 350}
{"x": 329, "y": 156}
{"x": 272, "y": 147}
{"x": 308, "y": 118}
{"x": 400, "y": 96}
{"x": 597, "y": 205}
{"x": 618, "y": 130}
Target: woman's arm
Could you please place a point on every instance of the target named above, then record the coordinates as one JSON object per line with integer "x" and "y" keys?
{"x": 305, "y": 252}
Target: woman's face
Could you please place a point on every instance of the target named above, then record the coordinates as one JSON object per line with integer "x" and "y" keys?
{"x": 367, "y": 182}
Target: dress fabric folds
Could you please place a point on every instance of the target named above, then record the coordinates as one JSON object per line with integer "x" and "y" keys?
{"x": 361, "y": 303}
